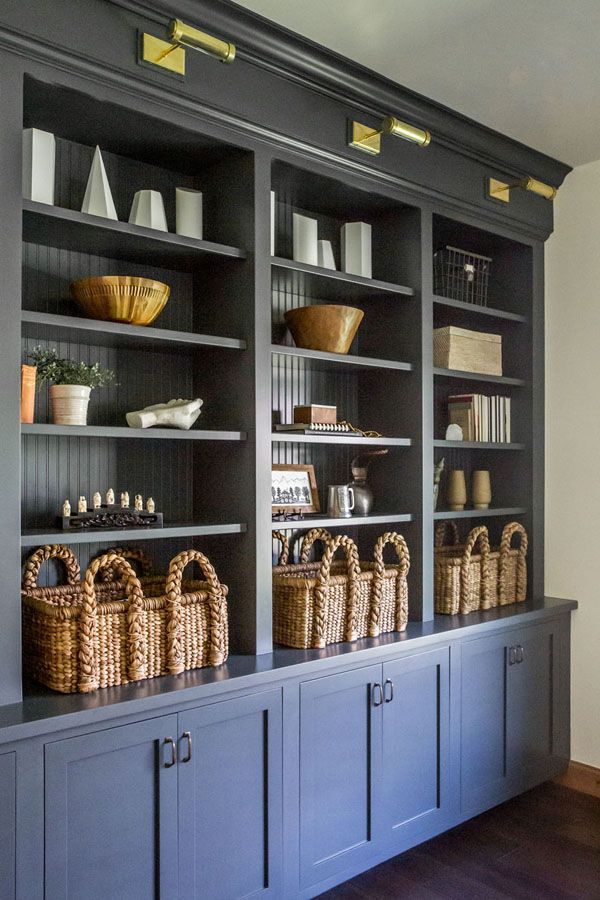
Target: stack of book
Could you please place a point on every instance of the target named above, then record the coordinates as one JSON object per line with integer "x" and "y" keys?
{"x": 481, "y": 418}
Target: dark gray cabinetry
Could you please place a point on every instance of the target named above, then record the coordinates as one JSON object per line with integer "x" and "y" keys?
{"x": 8, "y": 824}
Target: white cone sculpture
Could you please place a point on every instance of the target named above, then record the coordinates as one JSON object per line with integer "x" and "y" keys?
{"x": 148, "y": 210}
{"x": 98, "y": 199}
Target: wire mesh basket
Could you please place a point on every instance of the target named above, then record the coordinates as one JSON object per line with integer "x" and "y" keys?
{"x": 463, "y": 276}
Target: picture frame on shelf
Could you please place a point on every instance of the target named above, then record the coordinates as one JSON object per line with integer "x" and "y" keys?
{"x": 294, "y": 489}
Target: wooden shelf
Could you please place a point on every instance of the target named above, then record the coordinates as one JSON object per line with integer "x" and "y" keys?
{"x": 341, "y": 439}
{"x": 69, "y": 229}
{"x": 333, "y": 284}
{"x": 480, "y": 513}
{"x": 478, "y": 445}
{"x": 318, "y": 521}
{"x": 32, "y": 537}
{"x": 475, "y": 376}
{"x": 114, "y": 334}
{"x": 152, "y": 434}
{"x": 479, "y": 310}
{"x": 331, "y": 361}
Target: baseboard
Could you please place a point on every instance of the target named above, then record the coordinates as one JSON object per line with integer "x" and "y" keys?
{"x": 582, "y": 778}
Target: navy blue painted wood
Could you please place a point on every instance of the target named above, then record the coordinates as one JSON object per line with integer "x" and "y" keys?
{"x": 340, "y": 772}
{"x": 230, "y": 799}
{"x": 416, "y": 746}
{"x": 111, "y": 814}
{"x": 8, "y": 825}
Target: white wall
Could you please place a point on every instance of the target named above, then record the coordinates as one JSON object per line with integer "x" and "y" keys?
{"x": 573, "y": 439}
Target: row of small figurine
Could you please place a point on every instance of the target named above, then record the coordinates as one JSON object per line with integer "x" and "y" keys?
{"x": 82, "y": 506}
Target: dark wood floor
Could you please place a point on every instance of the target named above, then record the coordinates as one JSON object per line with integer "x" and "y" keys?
{"x": 544, "y": 844}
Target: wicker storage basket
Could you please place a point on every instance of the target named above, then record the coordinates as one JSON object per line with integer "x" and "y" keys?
{"x": 82, "y": 636}
{"x": 324, "y": 602}
{"x": 467, "y": 351}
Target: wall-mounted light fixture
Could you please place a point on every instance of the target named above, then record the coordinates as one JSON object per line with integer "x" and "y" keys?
{"x": 368, "y": 139}
{"x": 500, "y": 190}
{"x": 171, "y": 54}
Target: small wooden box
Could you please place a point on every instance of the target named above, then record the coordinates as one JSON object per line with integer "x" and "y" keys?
{"x": 315, "y": 414}
{"x": 467, "y": 351}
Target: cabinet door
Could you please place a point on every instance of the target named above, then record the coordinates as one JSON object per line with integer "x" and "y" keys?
{"x": 340, "y": 772}
{"x": 111, "y": 814}
{"x": 8, "y": 825}
{"x": 415, "y": 745}
{"x": 230, "y": 798}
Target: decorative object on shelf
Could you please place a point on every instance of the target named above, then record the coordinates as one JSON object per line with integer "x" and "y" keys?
{"x": 73, "y": 643}
{"x": 294, "y": 489}
{"x": 39, "y": 160}
{"x": 460, "y": 275}
{"x": 98, "y": 200}
{"x": 112, "y": 517}
{"x": 150, "y": 505}
{"x": 170, "y": 55}
{"x": 173, "y": 414}
{"x": 481, "y": 418}
{"x": 28, "y": 378}
{"x": 110, "y": 497}
{"x": 124, "y": 499}
{"x": 324, "y": 602}
{"x": 500, "y": 190}
{"x": 148, "y": 210}
{"x": 356, "y": 249}
{"x": 121, "y": 298}
{"x": 330, "y": 328}
{"x": 368, "y": 139}
{"x": 363, "y": 495}
{"x": 315, "y": 413}
{"x": 325, "y": 255}
{"x": 465, "y": 581}
{"x": 305, "y": 239}
{"x": 273, "y": 222}
{"x": 438, "y": 468}
{"x": 468, "y": 351}
{"x": 188, "y": 212}
{"x": 66, "y": 509}
{"x": 82, "y": 505}
{"x": 340, "y": 501}
{"x": 97, "y": 500}
{"x": 456, "y": 490}
{"x": 70, "y": 384}
{"x": 340, "y": 428}
{"x": 138, "y": 503}
{"x": 481, "y": 489}
{"x": 454, "y": 432}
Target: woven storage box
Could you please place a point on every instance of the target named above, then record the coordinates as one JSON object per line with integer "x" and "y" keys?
{"x": 82, "y": 636}
{"x": 324, "y": 602}
{"x": 468, "y": 351}
{"x": 465, "y": 581}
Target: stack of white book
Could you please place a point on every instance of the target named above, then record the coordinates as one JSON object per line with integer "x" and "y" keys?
{"x": 481, "y": 418}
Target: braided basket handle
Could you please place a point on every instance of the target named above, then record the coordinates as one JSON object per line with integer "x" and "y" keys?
{"x": 131, "y": 553}
{"x": 478, "y": 535}
{"x": 507, "y": 535}
{"x": 440, "y": 534}
{"x": 390, "y": 537}
{"x": 41, "y": 555}
{"x": 284, "y": 553}
{"x": 216, "y": 600}
{"x": 315, "y": 534}
{"x": 88, "y": 623}
{"x": 344, "y": 543}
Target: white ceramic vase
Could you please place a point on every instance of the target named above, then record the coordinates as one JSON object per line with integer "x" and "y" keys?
{"x": 69, "y": 403}
{"x": 356, "y": 249}
{"x": 325, "y": 254}
{"x": 305, "y": 240}
{"x": 39, "y": 151}
{"x": 188, "y": 212}
{"x": 148, "y": 210}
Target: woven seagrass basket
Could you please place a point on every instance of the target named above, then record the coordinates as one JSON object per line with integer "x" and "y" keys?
{"x": 324, "y": 602}
{"x": 81, "y": 636}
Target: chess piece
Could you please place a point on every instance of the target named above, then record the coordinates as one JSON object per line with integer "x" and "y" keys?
{"x": 139, "y": 502}
{"x": 97, "y": 500}
{"x": 110, "y": 497}
{"x": 82, "y": 504}
{"x": 66, "y": 510}
{"x": 174, "y": 414}
{"x": 150, "y": 505}
{"x": 125, "y": 500}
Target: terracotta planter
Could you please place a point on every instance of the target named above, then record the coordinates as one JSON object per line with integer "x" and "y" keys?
{"x": 69, "y": 403}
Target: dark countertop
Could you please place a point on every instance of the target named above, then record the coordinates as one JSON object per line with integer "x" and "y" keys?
{"x": 43, "y": 711}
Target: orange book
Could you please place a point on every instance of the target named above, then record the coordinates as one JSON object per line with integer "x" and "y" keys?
{"x": 28, "y": 374}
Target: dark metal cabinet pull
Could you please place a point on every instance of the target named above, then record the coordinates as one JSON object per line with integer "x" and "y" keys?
{"x": 170, "y": 742}
{"x": 512, "y": 656}
{"x": 187, "y": 735}
{"x": 377, "y": 694}
{"x": 388, "y": 696}
{"x": 520, "y": 653}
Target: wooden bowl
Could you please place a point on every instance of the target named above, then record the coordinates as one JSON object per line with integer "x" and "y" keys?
{"x": 328, "y": 327}
{"x": 121, "y": 298}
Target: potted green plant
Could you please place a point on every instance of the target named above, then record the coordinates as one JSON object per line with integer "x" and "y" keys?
{"x": 70, "y": 384}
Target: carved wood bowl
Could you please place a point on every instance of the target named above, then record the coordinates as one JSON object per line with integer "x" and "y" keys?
{"x": 326, "y": 327}
{"x": 121, "y": 298}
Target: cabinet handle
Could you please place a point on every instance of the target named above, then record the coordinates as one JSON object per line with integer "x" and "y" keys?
{"x": 170, "y": 742}
{"x": 512, "y": 656}
{"x": 187, "y": 735}
{"x": 377, "y": 694}
{"x": 520, "y": 653}
{"x": 390, "y": 697}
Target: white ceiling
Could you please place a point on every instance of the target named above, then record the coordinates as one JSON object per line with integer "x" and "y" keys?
{"x": 527, "y": 68}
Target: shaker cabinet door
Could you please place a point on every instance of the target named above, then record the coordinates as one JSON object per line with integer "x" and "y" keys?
{"x": 111, "y": 814}
{"x": 8, "y": 825}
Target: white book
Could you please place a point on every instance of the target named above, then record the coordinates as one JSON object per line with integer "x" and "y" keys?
{"x": 508, "y": 428}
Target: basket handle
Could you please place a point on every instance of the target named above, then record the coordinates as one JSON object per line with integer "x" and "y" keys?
{"x": 285, "y": 547}
{"x": 88, "y": 623}
{"x": 216, "y": 600}
{"x": 507, "y": 535}
{"x": 41, "y": 555}
{"x": 440, "y": 533}
{"x": 478, "y": 535}
{"x": 390, "y": 537}
{"x": 131, "y": 553}
{"x": 315, "y": 534}
{"x": 340, "y": 541}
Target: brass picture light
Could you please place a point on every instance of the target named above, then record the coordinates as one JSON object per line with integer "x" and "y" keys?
{"x": 500, "y": 190}
{"x": 368, "y": 139}
{"x": 170, "y": 55}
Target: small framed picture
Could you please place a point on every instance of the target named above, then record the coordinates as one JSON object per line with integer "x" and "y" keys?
{"x": 294, "y": 489}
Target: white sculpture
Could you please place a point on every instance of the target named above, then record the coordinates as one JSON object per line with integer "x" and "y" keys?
{"x": 125, "y": 500}
{"x": 139, "y": 502}
{"x": 82, "y": 505}
{"x": 454, "y": 433}
{"x": 305, "y": 239}
{"x": 325, "y": 252}
{"x": 97, "y": 500}
{"x": 188, "y": 212}
{"x": 98, "y": 199}
{"x": 150, "y": 505}
{"x": 148, "y": 210}
{"x": 174, "y": 414}
{"x": 39, "y": 152}
{"x": 66, "y": 510}
{"x": 110, "y": 497}
{"x": 356, "y": 249}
